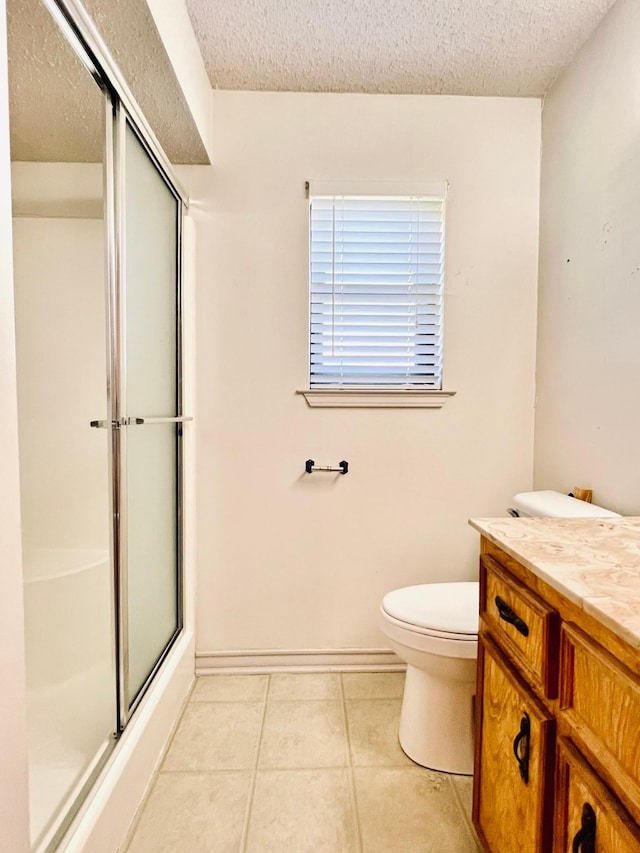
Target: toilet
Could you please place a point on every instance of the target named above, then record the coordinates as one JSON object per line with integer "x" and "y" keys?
{"x": 433, "y": 628}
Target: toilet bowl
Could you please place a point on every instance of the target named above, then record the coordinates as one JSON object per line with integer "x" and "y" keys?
{"x": 434, "y": 629}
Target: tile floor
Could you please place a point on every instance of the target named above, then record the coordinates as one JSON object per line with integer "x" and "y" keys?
{"x": 289, "y": 763}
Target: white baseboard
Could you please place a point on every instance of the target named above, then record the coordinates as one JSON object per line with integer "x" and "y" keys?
{"x": 297, "y": 660}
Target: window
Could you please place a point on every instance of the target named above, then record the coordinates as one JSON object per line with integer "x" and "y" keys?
{"x": 376, "y": 290}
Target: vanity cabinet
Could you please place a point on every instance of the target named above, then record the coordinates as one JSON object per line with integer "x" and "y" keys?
{"x": 557, "y": 766}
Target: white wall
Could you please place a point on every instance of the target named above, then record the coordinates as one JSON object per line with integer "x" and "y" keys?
{"x": 14, "y": 821}
{"x": 61, "y": 355}
{"x": 292, "y": 561}
{"x": 588, "y": 411}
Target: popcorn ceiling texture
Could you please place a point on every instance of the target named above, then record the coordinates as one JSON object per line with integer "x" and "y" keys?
{"x": 56, "y": 108}
{"x": 466, "y": 47}
{"x": 455, "y": 47}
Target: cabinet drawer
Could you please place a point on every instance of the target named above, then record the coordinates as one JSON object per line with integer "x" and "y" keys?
{"x": 525, "y": 626}
{"x": 588, "y": 816}
{"x": 512, "y": 805}
{"x": 600, "y": 701}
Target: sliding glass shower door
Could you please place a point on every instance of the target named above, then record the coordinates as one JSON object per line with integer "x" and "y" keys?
{"x": 150, "y": 399}
{"x": 59, "y": 106}
{"x": 97, "y": 257}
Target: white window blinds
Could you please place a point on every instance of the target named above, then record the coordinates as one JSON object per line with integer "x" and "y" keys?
{"x": 376, "y": 271}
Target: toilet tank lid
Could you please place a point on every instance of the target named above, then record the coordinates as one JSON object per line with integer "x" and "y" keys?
{"x": 446, "y": 607}
{"x": 550, "y": 504}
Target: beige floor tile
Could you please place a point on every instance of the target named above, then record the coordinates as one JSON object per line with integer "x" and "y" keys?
{"x": 194, "y": 812}
{"x": 321, "y": 685}
{"x": 230, "y": 688}
{"x": 302, "y": 811}
{"x": 373, "y": 733}
{"x": 409, "y": 811}
{"x": 303, "y": 734}
{"x": 373, "y": 685}
{"x": 464, "y": 788}
{"x": 216, "y": 736}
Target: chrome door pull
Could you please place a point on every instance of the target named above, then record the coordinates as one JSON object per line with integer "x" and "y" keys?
{"x": 138, "y": 422}
{"x": 142, "y": 421}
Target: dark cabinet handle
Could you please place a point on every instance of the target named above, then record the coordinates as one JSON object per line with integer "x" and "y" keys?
{"x": 508, "y": 615}
{"x": 521, "y": 748}
{"x": 584, "y": 841}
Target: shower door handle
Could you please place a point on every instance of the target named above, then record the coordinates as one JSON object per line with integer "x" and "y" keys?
{"x": 142, "y": 421}
{"x": 138, "y": 422}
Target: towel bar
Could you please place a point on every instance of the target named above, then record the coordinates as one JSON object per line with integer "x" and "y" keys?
{"x": 310, "y": 466}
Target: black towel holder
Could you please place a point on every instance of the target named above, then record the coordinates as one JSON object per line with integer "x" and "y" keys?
{"x": 310, "y": 466}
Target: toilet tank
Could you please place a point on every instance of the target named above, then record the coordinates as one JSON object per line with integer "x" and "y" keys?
{"x": 550, "y": 504}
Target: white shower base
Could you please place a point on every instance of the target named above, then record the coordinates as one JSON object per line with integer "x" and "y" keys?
{"x": 70, "y": 676}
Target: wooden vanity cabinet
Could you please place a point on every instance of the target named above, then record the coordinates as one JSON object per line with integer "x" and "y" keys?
{"x": 557, "y": 763}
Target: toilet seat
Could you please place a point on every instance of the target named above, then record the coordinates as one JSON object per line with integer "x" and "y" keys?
{"x": 442, "y": 610}
{"x": 428, "y": 632}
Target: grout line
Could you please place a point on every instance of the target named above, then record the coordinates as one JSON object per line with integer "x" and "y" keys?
{"x": 317, "y": 768}
{"x": 352, "y": 784}
{"x": 197, "y": 703}
{"x": 467, "y": 820}
{"x": 252, "y": 785}
{"x": 211, "y": 772}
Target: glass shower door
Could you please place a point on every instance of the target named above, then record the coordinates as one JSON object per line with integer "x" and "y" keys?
{"x": 58, "y": 112}
{"x": 151, "y": 431}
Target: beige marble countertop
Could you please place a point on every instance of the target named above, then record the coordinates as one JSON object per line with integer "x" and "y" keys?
{"x": 594, "y": 562}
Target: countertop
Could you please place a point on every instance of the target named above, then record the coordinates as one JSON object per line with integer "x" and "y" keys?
{"x": 594, "y": 562}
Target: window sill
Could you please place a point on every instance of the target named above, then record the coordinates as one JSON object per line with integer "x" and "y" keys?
{"x": 375, "y": 398}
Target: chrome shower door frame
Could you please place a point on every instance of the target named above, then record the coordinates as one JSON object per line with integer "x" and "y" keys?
{"x": 121, "y": 422}
{"x": 121, "y": 109}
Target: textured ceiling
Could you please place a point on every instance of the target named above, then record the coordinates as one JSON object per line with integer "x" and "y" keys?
{"x": 471, "y": 47}
{"x": 457, "y": 47}
{"x": 56, "y": 108}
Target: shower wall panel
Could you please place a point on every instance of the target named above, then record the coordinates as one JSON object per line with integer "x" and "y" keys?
{"x": 61, "y": 353}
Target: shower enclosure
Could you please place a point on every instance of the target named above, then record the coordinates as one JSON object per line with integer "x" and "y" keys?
{"x": 97, "y": 260}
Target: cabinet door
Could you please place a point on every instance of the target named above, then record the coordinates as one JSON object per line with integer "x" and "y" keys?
{"x": 603, "y": 721}
{"x": 512, "y": 804}
{"x": 588, "y": 816}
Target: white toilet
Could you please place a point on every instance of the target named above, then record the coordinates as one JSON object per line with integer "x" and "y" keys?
{"x": 434, "y": 629}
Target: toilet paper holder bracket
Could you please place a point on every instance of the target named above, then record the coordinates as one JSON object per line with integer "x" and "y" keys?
{"x": 310, "y": 466}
